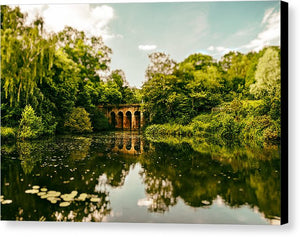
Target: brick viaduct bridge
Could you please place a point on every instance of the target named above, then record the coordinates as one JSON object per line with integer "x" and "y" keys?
{"x": 124, "y": 116}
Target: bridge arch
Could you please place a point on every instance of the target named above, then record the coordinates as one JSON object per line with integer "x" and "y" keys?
{"x": 124, "y": 116}
{"x": 128, "y": 120}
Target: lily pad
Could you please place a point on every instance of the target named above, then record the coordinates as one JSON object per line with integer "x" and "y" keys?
{"x": 53, "y": 199}
{"x": 82, "y": 197}
{"x": 44, "y": 189}
{"x": 67, "y": 197}
{"x": 36, "y": 187}
{"x": 31, "y": 191}
{"x": 53, "y": 194}
{"x": 41, "y": 193}
{"x": 73, "y": 193}
{"x": 64, "y": 204}
{"x": 95, "y": 199}
{"x": 6, "y": 201}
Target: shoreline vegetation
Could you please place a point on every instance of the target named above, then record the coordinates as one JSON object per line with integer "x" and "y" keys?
{"x": 52, "y": 83}
{"x": 235, "y": 123}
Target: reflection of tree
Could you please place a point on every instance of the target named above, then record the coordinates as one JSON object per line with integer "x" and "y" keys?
{"x": 241, "y": 176}
{"x": 160, "y": 192}
{"x": 29, "y": 154}
{"x": 82, "y": 145}
{"x": 7, "y": 148}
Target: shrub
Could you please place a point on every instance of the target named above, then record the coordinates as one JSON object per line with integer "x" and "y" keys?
{"x": 78, "y": 121}
{"x": 99, "y": 121}
{"x": 49, "y": 124}
{"x": 31, "y": 126}
{"x": 230, "y": 128}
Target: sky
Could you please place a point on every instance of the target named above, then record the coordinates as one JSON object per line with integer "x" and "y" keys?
{"x": 134, "y": 30}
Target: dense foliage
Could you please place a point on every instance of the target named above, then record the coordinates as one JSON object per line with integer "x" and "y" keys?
{"x": 55, "y": 73}
{"x": 31, "y": 126}
{"x": 237, "y": 98}
{"x": 78, "y": 121}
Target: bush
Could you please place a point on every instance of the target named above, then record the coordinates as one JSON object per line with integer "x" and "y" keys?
{"x": 78, "y": 121}
{"x": 8, "y": 134}
{"x": 99, "y": 121}
{"x": 31, "y": 126}
{"x": 230, "y": 128}
{"x": 49, "y": 124}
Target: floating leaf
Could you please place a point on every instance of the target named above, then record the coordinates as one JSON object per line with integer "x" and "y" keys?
{"x": 53, "y": 194}
{"x": 31, "y": 191}
{"x": 44, "y": 189}
{"x": 41, "y": 193}
{"x": 53, "y": 200}
{"x": 64, "y": 204}
{"x": 6, "y": 201}
{"x": 82, "y": 197}
{"x": 35, "y": 187}
{"x": 67, "y": 197}
{"x": 94, "y": 199}
{"x": 73, "y": 193}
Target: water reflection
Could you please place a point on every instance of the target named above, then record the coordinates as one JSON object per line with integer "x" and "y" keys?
{"x": 127, "y": 143}
{"x": 169, "y": 173}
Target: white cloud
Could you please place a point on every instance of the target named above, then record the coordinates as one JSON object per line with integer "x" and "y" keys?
{"x": 268, "y": 13}
{"x": 83, "y": 17}
{"x": 218, "y": 51}
{"x": 270, "y": 33}
{"x": 147, "y": 47}
{"x": 211, "y": 48}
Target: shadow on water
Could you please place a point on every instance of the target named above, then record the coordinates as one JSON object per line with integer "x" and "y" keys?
{"x": 90, "y": 172}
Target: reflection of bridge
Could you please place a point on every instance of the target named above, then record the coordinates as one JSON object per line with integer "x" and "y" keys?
{"x": 124, "y": 116}
{"x": 128, "y": 144}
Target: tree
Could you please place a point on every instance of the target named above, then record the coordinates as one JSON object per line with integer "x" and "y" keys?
{"x": 26, "y": 56}
{"x": 267, "y": 76}
{"x": 90, "y": 53}
{"x": 31, "y": 126}
{"x": 79, "y": 121}
{"x": 160, "y": 63}
{"x": 205, "y": 89}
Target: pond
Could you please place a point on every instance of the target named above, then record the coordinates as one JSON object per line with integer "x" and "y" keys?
{"x": 123, "y": 177}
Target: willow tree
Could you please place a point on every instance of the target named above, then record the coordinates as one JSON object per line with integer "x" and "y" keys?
{"x": 26, "y": 55}
{"x": 267, "y": 75}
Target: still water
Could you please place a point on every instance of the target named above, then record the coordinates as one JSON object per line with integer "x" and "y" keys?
{"x": 123, "y": 177}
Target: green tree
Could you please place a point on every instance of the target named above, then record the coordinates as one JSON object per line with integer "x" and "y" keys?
{"x": 78, "y": 121}
{"x": 160, "y": 63}
{"x": 267, "y": 75}
{"x": 31, "y": 126}
{"x": 26, "y": 56}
